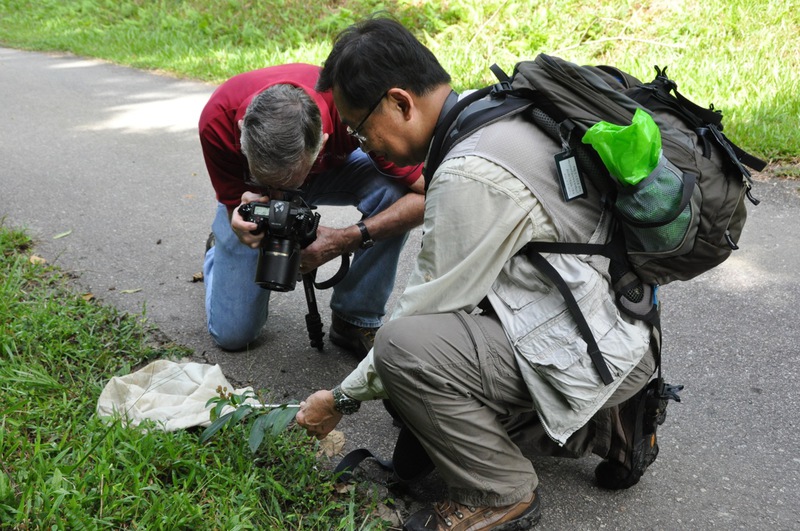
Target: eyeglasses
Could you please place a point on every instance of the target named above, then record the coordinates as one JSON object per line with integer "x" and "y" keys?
{"x": 265, "y": 189}
{"x": 354, "y": 131}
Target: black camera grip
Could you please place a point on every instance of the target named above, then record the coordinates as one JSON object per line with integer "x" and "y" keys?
{"x": 246, "y": 212}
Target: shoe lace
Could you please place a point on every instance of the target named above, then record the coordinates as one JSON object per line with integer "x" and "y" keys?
{"x": 369, "y": 334}
{"x": 447, "y": 510}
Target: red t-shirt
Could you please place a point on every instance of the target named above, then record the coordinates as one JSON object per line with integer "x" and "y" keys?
{"x": 220, "y": 133}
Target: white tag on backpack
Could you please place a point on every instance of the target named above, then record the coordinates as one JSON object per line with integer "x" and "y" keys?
{"x": 572, "y": 185}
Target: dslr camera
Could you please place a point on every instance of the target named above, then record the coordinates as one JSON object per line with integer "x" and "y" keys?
{"x": 288, "y": 226}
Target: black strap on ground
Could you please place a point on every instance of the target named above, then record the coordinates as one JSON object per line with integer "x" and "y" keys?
{"x": 409, "y": 462}
{"x": 344, "y": 470}
{"x": 583, "y": 327}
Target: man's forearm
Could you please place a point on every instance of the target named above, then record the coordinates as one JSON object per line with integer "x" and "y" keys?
{"x": 405, "y": 214}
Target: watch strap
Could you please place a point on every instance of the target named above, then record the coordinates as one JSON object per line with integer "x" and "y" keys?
{"x": 366, "y": 239}
{"x": 343, "y": 403}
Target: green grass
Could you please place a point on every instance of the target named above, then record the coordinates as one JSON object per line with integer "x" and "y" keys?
{"x": 61, "y": 467}
{"x": 740, "y": 55}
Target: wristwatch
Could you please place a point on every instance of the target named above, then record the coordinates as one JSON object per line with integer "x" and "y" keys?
{"x": 366, "y": 239}
{"x": 343, "y": 403}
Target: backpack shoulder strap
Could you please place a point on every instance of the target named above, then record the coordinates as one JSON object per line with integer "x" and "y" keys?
{"x": 437, "y": 151}
{"x": 467, "y": 116}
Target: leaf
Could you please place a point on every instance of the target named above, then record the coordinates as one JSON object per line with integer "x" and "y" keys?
{"x": 67, "y": 233}
{"x": 87, "y": 296}
{"x": 236, "y": 400}
{"x": 280, "y": 418}
{"x": 218, "y": 408}
{"x": 257, "y": 430}
{"x": 242, "y": 398}
{"x": 215, "y": 427}
{"x": 137, "y": 290}
{"x": 37, "y": 260}
{"x": 331, "y": 445}
{"x": 240, "y": 413}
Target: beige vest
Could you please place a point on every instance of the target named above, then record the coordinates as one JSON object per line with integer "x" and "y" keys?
{"x": 525, "y": 151}
{"x": 551, "y": 354}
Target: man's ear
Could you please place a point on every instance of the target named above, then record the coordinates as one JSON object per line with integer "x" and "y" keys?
{"x": 324, "y": 140}
{"x": 403, "y": 100}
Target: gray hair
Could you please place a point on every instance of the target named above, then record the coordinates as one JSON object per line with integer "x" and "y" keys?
{"x": 281, "y": 131}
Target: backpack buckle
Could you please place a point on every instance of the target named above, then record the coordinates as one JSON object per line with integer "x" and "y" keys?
{"x": 665, "y": 82}
{"x": 504, "y": 87}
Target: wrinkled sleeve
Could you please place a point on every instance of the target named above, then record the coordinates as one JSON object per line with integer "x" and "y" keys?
{"x": 363, "y": 383}
{"x": 477, "y": 216}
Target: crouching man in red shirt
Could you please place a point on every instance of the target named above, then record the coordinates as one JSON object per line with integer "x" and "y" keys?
{"x": 269, "y": 131}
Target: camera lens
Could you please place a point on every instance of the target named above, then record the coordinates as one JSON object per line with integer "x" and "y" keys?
{"x": 278, "y": 264}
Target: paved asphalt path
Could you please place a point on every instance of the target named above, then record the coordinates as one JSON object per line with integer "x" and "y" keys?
{"x": 111, "y": 155}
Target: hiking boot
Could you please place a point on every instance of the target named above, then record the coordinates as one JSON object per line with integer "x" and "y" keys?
{"x": 451, "y": 516}
{"x": 639, "y": 418}
{"x": 354, "y": 338}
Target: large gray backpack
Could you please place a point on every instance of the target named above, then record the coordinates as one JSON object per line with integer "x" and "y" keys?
{"x": 682, "y": 220}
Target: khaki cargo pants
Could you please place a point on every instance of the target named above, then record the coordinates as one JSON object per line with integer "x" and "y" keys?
{"x": 454, "y": 381}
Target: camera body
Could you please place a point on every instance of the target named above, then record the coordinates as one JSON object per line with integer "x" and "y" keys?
{"x": 288, "y": 227}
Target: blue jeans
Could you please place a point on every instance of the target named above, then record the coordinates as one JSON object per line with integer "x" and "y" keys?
{"x": 237, "y": 308}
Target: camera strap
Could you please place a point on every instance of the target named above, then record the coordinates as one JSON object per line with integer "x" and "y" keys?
{"x": 335, "y": 279}
{"x": 313, "y": 319}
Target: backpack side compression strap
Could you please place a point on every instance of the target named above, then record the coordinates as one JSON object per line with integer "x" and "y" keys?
{"x": 591, "y": 345}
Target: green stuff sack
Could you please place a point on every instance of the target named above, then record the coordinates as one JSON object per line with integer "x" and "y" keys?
{"x": 654, "y": 198}
{"x": 629, "y": 152}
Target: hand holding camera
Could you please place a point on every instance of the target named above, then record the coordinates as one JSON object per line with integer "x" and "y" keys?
{"x": 288, "y": 226}
{"x": 247, "y": 231}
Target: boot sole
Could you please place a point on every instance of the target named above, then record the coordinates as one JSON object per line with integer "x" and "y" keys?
{"x": 525, "y": 521}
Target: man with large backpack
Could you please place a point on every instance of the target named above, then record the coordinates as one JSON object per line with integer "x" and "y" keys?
{"x": 482, "y": 360}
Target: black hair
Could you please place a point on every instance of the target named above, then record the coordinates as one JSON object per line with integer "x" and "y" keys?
{"x": 377, "y": 54}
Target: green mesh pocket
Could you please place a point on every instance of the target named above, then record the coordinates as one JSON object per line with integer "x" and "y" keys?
{"x": 657, "y": 212}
